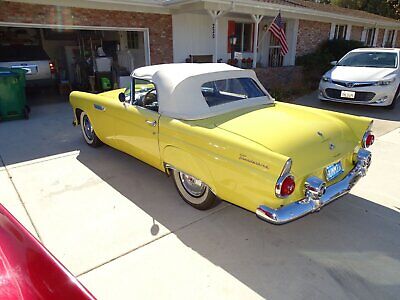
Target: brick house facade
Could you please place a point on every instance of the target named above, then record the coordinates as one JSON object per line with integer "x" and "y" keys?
{"x": 356, "y": 33}
{"x": 198, "y": 37}
{"x": 160, "y": 25}
{"x": 310, "y": 36}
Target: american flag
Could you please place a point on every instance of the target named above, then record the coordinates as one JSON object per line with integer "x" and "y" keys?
{"x": 277, "y": 28}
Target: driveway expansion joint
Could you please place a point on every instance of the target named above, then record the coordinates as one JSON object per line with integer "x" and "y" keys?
{"x": 20, "y": 199}
{"x": 43, "y": 159}
{"x": 152, "y": 241}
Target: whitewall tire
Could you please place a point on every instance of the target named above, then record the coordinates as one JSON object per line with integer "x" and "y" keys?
{"x": 193, "y": 191}
{"x": 88, "y": 132}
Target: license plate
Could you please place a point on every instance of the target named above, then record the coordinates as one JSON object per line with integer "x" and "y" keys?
{"x": 333, "y": 171}
{"x": 348, "y": 94}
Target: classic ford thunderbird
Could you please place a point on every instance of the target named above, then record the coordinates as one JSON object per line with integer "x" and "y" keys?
{"x": 219, "y": 134}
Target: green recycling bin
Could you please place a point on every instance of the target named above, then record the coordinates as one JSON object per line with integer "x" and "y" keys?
{"x": 12, "y": 94}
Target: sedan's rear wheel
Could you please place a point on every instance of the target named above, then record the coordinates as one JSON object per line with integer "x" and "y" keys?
{"x": 88, "y": 132}
{"x": 193, "y": 191}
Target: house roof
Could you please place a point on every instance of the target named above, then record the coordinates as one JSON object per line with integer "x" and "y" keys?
{"x": 305, "y": 9}
{"x": 334, "y": 9}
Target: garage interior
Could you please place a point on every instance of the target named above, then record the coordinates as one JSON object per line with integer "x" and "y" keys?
{"x": 90, "y": 60}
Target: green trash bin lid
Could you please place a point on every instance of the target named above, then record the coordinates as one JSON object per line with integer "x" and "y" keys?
{"x": 5, "y": 72}
{"x": 16, "y": 72}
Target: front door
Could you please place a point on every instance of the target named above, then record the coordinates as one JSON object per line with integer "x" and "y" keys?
{"x": 136, "y": 132}
{"x": 136, "y": 126}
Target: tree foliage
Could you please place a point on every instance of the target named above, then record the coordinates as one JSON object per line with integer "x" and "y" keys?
{"x": 386, "y": 8}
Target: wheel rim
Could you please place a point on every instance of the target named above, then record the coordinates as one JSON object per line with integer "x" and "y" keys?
{"x": 192, "y": 185}
{"x": 87, "y": 128}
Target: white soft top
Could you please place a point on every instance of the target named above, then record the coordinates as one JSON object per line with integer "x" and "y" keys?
{"x": 179, "y": 88}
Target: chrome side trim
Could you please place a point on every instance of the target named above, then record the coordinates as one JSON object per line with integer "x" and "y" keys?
{"x": 316, "y": 195}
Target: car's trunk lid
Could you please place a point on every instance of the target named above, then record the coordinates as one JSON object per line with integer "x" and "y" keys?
{"x": 311, "y": 138}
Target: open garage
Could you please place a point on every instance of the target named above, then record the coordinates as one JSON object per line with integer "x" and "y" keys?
{"x": 88, "y": 59}
{"x": 64, "y": 49}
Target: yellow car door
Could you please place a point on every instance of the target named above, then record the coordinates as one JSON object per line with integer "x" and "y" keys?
{"x": 136, "y": 132}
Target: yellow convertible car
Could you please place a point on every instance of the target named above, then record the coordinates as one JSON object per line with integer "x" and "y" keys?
{"x": 218, "y": 133}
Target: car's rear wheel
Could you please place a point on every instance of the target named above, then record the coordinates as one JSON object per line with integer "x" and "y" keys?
{"x": 194, "y": 191}
{"x": 88, "y": 132}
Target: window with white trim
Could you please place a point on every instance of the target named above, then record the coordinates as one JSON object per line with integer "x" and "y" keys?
{"x": 389, "y": 39}
{"x": 244, "y": 33}
{"x": 340, "y": 32}
{"x": 370, "y": 36}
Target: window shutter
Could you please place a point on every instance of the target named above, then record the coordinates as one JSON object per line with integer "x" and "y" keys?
{"x": 231, "y": 30}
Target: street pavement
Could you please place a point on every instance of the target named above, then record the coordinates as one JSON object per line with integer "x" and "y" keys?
{"x": 122, "y": 229}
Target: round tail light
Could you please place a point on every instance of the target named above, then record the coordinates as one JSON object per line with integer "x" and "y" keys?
{"x": 285, "y": 186}
{"x": 368, "y": 139}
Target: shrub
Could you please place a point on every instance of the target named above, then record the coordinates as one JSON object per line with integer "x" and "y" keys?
{"x": 317, "y": 63}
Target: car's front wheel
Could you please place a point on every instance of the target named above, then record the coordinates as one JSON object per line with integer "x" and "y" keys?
{"x": 393, "y": 104}
{"x": 194, "y": 191}
{"x": 88, "y": 132}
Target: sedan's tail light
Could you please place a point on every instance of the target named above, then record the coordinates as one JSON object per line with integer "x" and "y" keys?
{"x": 52, "y": 68}
{"x": 285, "y": 185}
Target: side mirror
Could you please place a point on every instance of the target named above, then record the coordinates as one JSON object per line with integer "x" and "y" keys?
{"x": 122, "y": 97}
{"x": 334, "y": 63}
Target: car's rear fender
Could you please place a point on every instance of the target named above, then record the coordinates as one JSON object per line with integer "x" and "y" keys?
{"x": 235, "y": 168}
{"x": 178, "y": 159}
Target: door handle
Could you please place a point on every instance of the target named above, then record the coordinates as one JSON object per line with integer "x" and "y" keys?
{"x": 99, "y": 107}
{"x": 151, "y": 123}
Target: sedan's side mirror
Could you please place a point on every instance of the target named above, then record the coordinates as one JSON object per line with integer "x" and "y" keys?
{"x": 334, "y": 63}
{"x": 122, "y": 97}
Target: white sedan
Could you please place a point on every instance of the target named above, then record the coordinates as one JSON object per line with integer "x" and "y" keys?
{"x": 363, "y": 76}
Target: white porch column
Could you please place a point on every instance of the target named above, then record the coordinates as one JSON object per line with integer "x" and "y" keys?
{"x": 215, "y": 15}
{"x": 364, "y": 35}
{"x": 332, "y": 32}
{"x": 256, "y": 19}
{"x": 348, "y": 32}
{"x": 394, "y": 39}
{"x": 385, "y": 37}
{"x": 376, "y": 36}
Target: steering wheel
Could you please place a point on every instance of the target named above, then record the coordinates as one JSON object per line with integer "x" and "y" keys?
{"x": 149, "y": 98}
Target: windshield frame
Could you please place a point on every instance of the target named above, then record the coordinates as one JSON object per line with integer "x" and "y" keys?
{"x": 369, "y": 66}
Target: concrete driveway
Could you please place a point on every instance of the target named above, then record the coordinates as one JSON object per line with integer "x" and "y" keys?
{"x": 121, "y": 228}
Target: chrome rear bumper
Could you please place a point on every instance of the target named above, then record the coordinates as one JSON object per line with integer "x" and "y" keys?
{"x": 316, "y": 195}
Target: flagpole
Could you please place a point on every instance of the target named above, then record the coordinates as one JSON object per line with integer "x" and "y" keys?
{"x": 266, "y": 31}
{"x": 273, "y": 20}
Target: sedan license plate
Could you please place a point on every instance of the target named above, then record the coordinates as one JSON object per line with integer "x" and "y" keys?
{"x": 348, "y": 94}
{"x": 333, "y": 171}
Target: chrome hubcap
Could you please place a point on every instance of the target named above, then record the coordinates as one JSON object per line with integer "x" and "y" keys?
{"x": 192, "y": 185}
{"x": 87, "y": 127}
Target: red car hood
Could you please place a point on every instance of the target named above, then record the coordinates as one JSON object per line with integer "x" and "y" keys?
{"x": 28, "y": 270}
